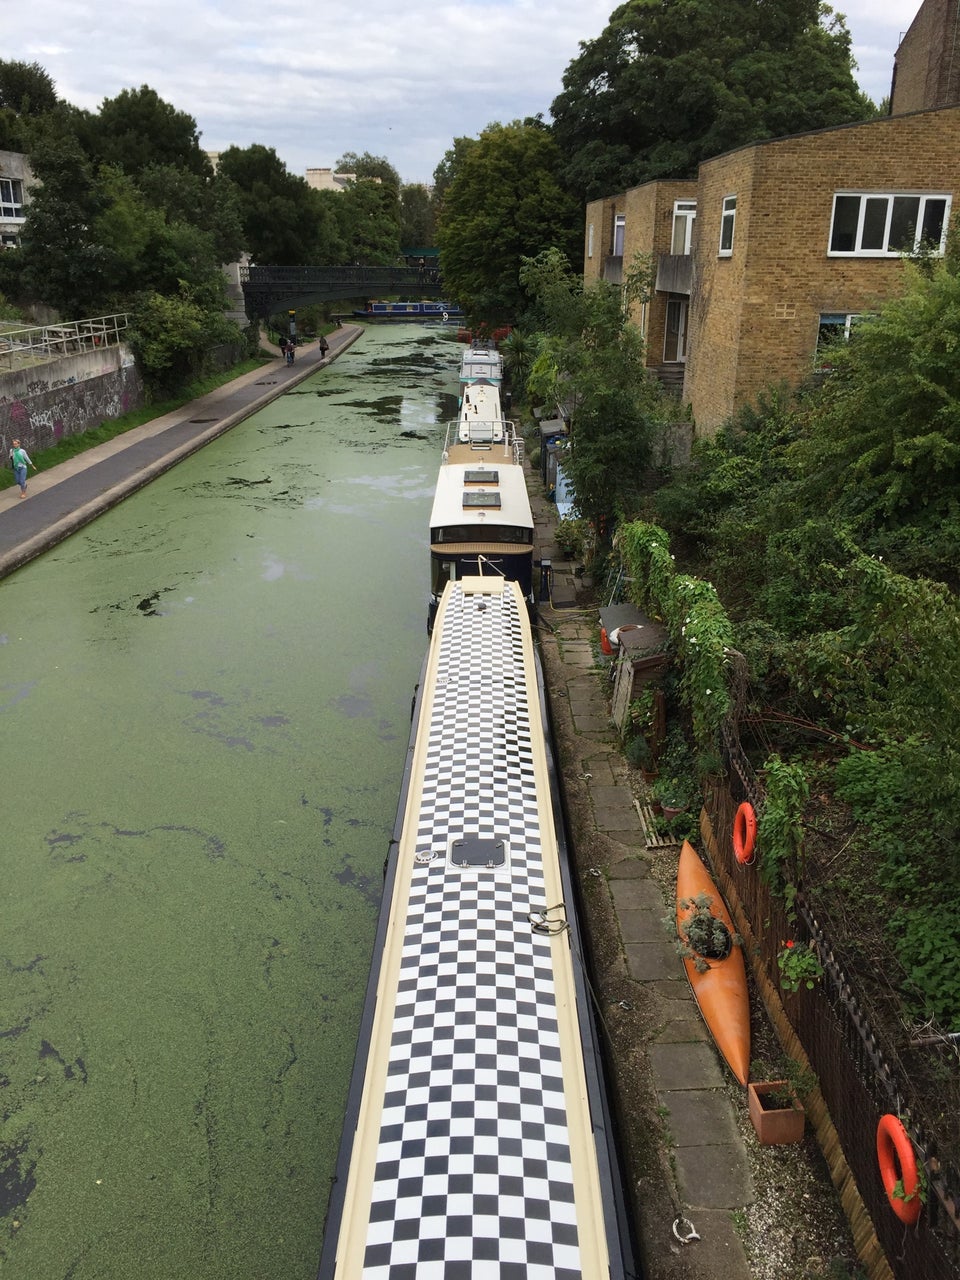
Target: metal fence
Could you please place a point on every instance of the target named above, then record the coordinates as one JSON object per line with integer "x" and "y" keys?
{"x": 21, "y": 348}
{"x": 854, "y": 1070}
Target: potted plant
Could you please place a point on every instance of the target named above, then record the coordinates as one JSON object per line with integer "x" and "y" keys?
{"x": 774, "y": 1100}
{"x": 703, "y": 935}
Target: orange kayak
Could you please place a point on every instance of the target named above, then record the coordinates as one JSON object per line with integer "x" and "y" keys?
{"x": 721, "y": 988}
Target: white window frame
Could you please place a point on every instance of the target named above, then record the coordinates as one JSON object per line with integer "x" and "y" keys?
{"x": 844, "y": 322}
{"x": 872, "y": 198}
{"x": 684, "y": 216}
{"x": 619, "y": 233}
{"x": 11, "y": 200}
{"x": 590, "y": 240}
{"x": 728, "y": 226}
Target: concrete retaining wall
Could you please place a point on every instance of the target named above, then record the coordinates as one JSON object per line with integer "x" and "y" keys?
{"x": 45, "y": 402}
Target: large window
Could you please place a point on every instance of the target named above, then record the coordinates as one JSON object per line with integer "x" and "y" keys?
{"x": 727, "y": 224}
{"x": 11, "y": 198}
{"x": 684, "y": 212}
{"x": 869, "y": 224}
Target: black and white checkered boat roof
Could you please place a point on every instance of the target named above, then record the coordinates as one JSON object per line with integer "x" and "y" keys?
{"x": 474, "y": 1153}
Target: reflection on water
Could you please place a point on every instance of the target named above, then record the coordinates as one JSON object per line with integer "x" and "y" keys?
{"x": 205, "y": 702}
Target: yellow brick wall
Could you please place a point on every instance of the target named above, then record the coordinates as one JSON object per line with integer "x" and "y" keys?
{"x": 755, "y": 315}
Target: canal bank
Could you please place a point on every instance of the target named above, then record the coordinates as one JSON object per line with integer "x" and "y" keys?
{"x": 73, "y": 493}
{"x": 710, "y": 1202}
{"x": 692, "y": 1161}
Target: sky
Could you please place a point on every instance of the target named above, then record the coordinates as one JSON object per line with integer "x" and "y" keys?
{"x": 316, "y": 81}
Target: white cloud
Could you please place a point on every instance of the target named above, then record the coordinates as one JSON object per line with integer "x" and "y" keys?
{"x": 316, "y": 81}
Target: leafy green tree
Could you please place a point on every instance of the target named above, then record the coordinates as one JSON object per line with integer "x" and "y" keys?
{"x": 137, "y": 128}
{"x": 28, "y": 101}
{"x": 27, "y": 89}
{"x": 883, "y": 448}
{"x": 172, "y": 335}
{"x": 591, "y": 360}
{"x": 369, "y": 225}
{"x": 506, "y": 202}
{"x": 210, "y": 203}
{"x": 284, "y": 221}
{"x": 667, "y": 85}
{"x": 449, "y": 167}
{"x": 60, "y": 261}
{"x": 417, "y": 221}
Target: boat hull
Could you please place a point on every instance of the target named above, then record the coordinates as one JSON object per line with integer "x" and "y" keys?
{"x": 721, "y": 990}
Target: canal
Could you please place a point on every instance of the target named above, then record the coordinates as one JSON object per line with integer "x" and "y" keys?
{"x": 205, "y": 704}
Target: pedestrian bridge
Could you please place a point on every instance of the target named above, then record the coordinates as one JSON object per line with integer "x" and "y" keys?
{"x": 267, "y": 290}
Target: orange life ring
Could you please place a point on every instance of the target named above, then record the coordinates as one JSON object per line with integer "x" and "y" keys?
{"x": 898, "y": 1164}
{"x": 744, "y": 833}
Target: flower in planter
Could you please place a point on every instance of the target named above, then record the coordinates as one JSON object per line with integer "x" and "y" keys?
{"x": 799, "y": 965}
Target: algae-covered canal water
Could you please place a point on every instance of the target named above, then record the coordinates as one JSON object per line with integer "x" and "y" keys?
{"x": 205, "y": 703}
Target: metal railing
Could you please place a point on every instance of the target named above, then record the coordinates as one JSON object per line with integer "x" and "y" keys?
{"x": 21, "y": 348}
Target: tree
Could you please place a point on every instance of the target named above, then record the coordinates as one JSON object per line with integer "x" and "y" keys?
{"x": 505, "y": 202}
{"x": 591, "y": 360}
{"x": 26, "y": 89}
{"x": 285, "y": 223}
{"x": 367, "y": 212}
{"x": 137, "y": 128}
{"x": 28, "y": 98}
{"x": 417, "y": 221}
{"x": 883, "y": 448}
{"x": 667, "y": 85}
{"x": 60, "y": 260}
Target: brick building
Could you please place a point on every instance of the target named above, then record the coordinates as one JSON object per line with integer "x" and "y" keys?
{"x": 780, "y": 245}
{"x": 926, "y": 66}
{"x": 775, "y": 247}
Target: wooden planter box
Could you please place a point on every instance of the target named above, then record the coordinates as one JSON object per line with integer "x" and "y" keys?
{"x": 776, "y": 1123}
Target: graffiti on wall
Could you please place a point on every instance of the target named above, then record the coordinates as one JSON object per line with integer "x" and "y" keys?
{"x": 41, "y": 419}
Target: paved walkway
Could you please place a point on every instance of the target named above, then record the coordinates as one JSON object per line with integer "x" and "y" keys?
{"x": 698, "y": 1169}
{"x": 696, "y": 1166}
{"x": 66, "y": 497}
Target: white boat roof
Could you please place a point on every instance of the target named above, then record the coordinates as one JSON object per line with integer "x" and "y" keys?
{"x": 508, "y": 484}
{"x": 481, "y": 417}
{"x": 481, "y": 363}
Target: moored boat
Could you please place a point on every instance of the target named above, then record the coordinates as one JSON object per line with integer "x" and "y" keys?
{"x": 719, "y": 983}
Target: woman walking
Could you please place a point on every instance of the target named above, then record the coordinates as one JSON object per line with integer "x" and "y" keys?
{"x": 20, "y": 460}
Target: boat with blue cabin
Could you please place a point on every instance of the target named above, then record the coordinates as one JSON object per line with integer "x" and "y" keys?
{"x": 410, "y": 311}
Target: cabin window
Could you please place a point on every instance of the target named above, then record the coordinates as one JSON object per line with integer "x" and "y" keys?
{"x": 727, "y": 223}
{"x": 684, "y": 213}
{"x": 876, "y": 225}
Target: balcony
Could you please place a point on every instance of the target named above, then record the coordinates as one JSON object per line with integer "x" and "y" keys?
{"x": 613, "y": 269}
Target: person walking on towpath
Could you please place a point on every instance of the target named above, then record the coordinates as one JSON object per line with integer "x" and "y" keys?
{"x": 20, "y": 460}
{"x": 324, "y": 346}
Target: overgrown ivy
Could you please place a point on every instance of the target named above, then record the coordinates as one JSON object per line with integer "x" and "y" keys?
{"x": 699, "y": 629}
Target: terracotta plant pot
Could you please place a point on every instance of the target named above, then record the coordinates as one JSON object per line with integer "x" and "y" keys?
{"x": 777, "y": 1122}
{"x": 671, "y": 811}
